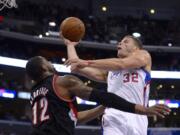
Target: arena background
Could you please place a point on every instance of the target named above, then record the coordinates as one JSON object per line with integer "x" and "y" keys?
{"x": 32, "y": 29}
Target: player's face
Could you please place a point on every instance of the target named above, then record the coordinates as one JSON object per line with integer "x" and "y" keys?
{"x": 125, "y": 47}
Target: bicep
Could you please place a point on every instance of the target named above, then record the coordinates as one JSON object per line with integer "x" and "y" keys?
{"x": 136, "y": 61}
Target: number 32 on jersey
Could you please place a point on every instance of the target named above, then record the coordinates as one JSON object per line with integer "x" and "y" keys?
{"x": 130, "y": 77}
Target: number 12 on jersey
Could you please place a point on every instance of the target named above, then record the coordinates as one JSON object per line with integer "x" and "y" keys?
{"x": 130, "y": 77}
{"x": 40, "y": 111}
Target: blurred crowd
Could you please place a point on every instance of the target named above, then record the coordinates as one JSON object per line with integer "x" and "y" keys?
{"x": 108, "y": 29}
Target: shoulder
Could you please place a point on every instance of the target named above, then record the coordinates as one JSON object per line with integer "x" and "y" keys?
{"x": 68, "y": 80}
{"x": 143, "y": 54}
{"x": 146, "y": 57}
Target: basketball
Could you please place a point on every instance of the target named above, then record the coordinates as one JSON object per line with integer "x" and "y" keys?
{"x": 72, "y": 28}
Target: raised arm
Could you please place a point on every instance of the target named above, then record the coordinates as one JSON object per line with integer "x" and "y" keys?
{"x": 91, "y": 73}
{"x": 76, "y": 87}
{"x": 138, "y": 59}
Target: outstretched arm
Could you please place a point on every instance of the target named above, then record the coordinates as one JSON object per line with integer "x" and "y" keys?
{"x": 140, "y": 58}
{"x": 77, "y": 88}
{"x": 91, "y": 73}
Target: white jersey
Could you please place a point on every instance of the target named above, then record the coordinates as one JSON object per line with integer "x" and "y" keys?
{"x": 132, "y": 85}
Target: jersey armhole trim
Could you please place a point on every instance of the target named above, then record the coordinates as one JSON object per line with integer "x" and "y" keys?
{"x": 55, "y": 89}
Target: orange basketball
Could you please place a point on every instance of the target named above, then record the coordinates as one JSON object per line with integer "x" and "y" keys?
{"x": 72, "y": 28}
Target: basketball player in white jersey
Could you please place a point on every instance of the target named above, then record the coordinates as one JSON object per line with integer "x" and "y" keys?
{"x": 127, "y": 76}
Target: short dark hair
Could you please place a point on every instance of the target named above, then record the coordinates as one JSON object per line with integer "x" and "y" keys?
{"x": 34, "y": 68}
{"x": 137, "y": 41}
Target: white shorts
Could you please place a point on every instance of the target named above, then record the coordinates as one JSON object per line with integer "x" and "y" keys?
{"x": 122, "y": 130}
{"x": 113, "y": 127}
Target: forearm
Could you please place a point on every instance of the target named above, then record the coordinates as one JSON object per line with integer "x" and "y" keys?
{"x": 91, "y": 114}
{"x": 111, "y": 100}
{"x": 106, "y": 99}
{"x": 106, "y": 64}
{"x": 114, "y": 101}
{"x": 71, "y": 50}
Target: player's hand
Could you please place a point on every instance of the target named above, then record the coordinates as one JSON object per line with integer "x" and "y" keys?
{"x": 158, "y": 110}
{"x": 68, "y": 42}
